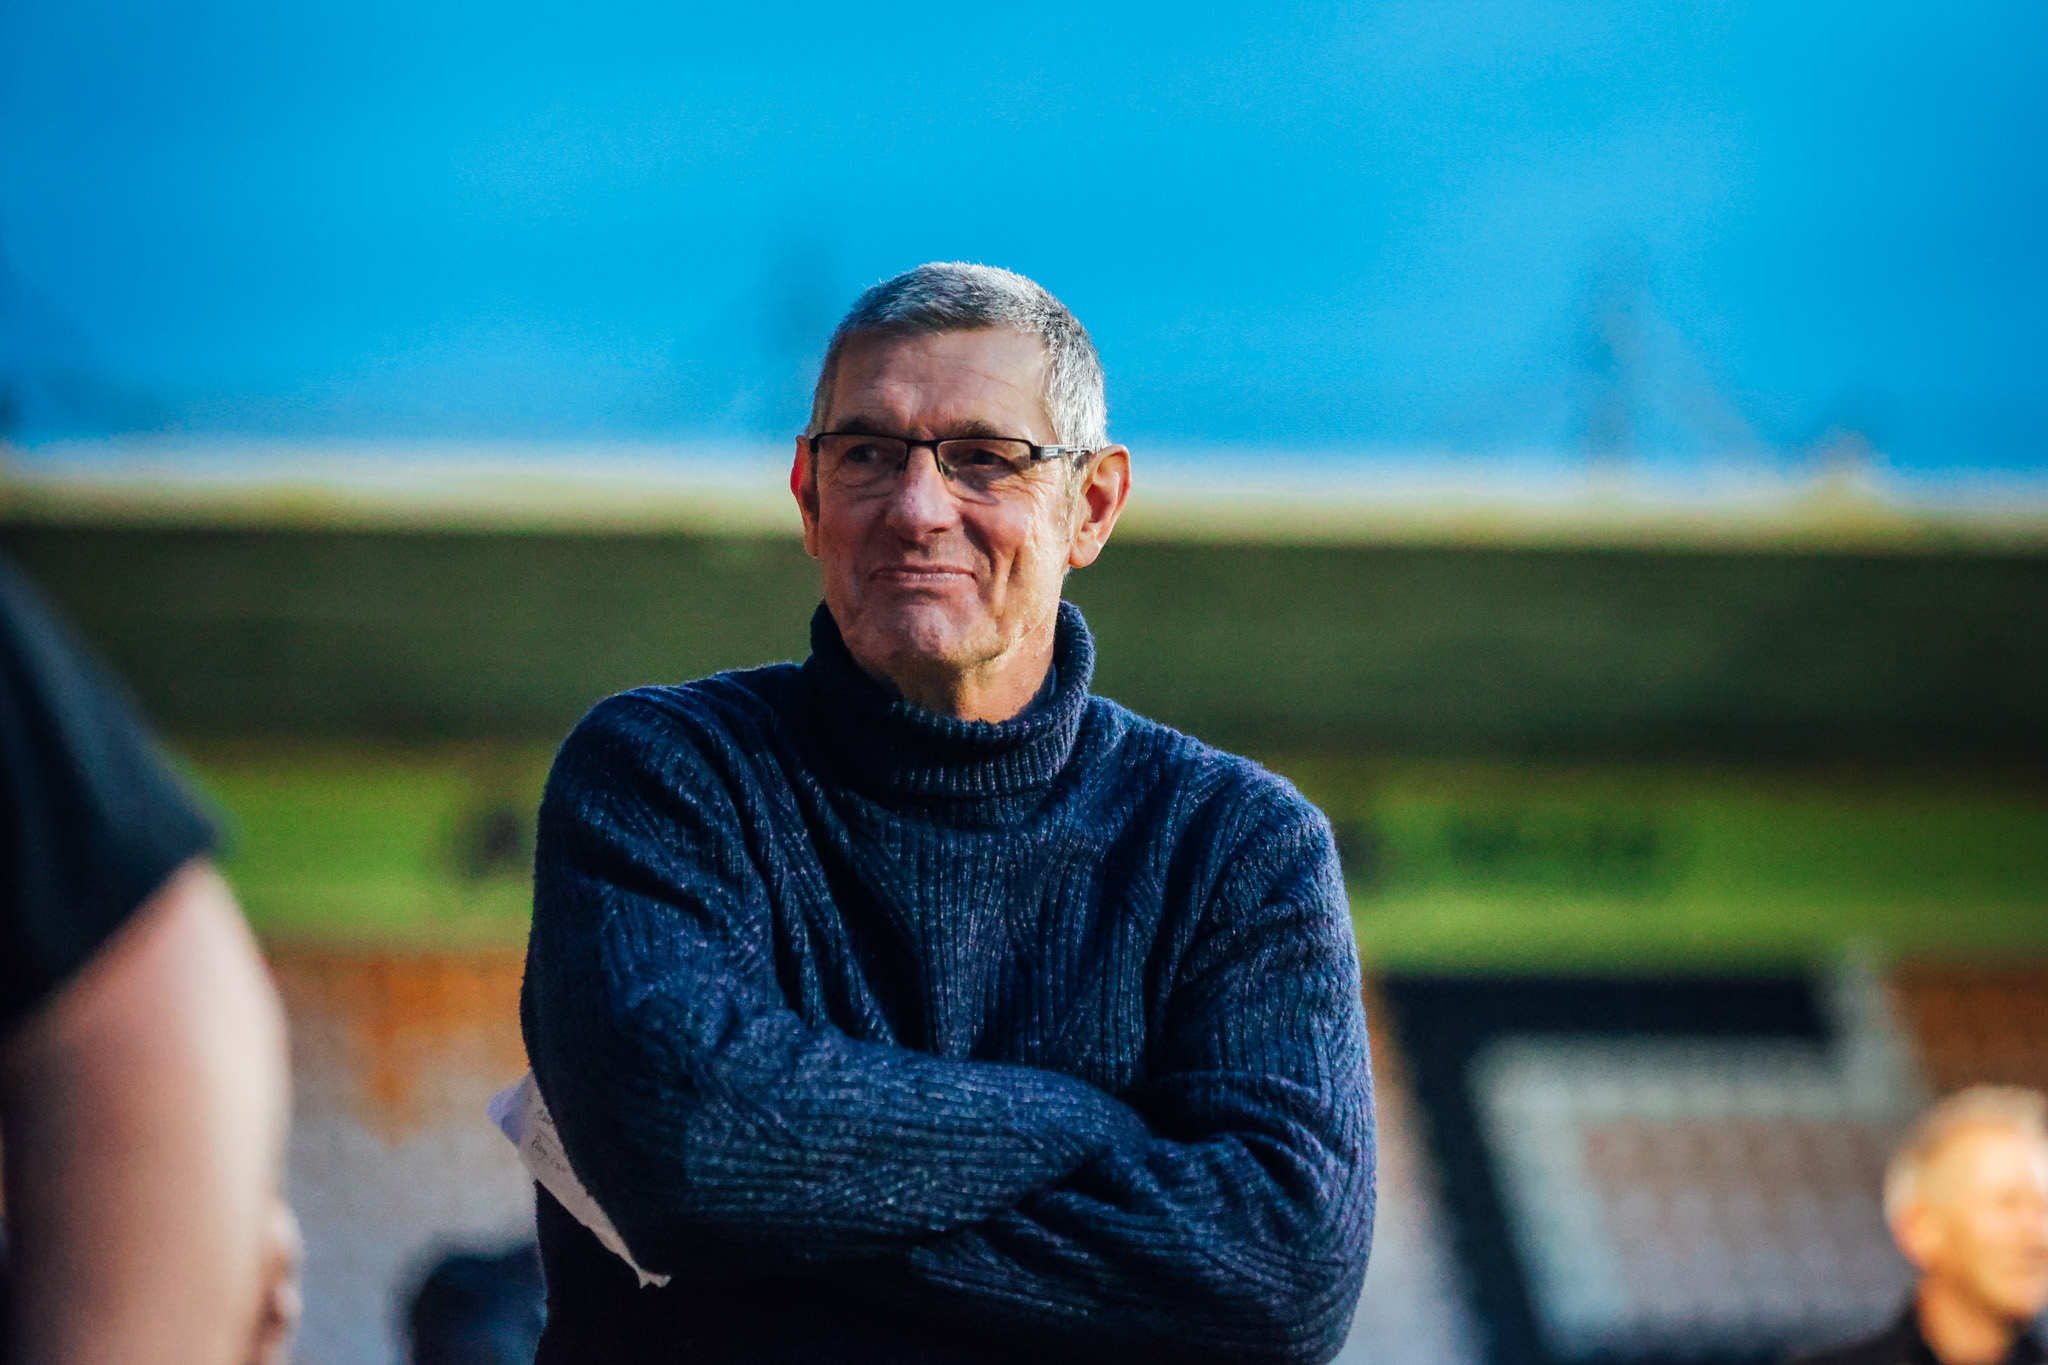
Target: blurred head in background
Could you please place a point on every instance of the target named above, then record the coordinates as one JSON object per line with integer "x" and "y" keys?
{"x": 957, "y": 464}
{"x": 1966, "y": 1195}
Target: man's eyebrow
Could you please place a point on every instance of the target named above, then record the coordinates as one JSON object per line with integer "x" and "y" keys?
{"x": 974, "y": 428}
{"x": 862, "y": 426}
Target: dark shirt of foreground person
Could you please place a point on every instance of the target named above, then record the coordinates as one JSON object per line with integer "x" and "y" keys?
{"x": 913, "y": 1004}
{"x": 92, "y": 820}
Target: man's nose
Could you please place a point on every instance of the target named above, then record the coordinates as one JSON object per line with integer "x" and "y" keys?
{"x": 923, "y": 502}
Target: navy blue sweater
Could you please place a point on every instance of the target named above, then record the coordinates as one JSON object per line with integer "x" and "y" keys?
{"x": 903, "y": 1039}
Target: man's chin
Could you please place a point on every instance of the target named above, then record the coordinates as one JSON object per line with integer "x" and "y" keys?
{"x": 923, "y": 635}
{"x": 2029, "y": 1305}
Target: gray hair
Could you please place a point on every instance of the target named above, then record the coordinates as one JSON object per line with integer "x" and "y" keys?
{"x": 1980, "y": 1106}
{"x": 954, "y": 296}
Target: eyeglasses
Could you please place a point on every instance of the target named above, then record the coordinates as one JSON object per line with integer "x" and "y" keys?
{"x": 980, "y": 468}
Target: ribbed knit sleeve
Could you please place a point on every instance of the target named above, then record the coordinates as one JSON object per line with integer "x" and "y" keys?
{"x": 722, "y": 1132}
{"x": 1238, "y": 1230}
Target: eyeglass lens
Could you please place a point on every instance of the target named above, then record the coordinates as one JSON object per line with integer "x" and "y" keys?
{"x": 979, "y": 468}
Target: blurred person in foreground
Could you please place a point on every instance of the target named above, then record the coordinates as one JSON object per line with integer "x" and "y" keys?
{"x": 142, "y": 1068}
{"x": 912, "y": 1004}
{"x": 1966, "y": 1195}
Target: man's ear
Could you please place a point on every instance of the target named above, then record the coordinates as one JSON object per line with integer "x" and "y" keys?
{"x": 1918, "y": 1234}
{"x": 1098, "y": 502}
{"x": 804, "y": 489}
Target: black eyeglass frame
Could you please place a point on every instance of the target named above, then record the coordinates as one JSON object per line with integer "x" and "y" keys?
{"x": 1039, "y": 453}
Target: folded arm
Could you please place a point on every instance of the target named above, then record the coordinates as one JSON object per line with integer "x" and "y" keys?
{"x": 720, "y": 1131}
{"x": 1238, "y": 1229}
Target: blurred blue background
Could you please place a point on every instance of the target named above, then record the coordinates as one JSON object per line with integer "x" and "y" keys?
{"x": 1449, "y": 227}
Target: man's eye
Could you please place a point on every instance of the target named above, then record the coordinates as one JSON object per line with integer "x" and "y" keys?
{"x": 861, "y": 454}
{"x": 980, "y": 457}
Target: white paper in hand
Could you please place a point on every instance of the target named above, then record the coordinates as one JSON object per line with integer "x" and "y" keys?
{"x": 523, "y": 1117}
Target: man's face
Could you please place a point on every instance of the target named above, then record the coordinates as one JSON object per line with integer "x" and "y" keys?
{"x": 1981, "y": 1223}
{"x": 924, "y": 583}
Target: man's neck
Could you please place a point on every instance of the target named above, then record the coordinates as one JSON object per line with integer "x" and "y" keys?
{"x": 995, "y": 690}
{"x": 1960, "y": 1329}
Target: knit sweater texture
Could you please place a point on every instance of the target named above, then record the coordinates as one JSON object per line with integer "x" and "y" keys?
{"x": 897, "y": 1038}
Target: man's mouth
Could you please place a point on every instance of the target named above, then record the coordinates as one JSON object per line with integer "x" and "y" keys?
{"x": 921, "y": 575}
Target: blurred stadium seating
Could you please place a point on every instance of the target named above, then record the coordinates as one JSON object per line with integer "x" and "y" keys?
{"x": 1644, "y": 1169}
{"x": 1413, "y": 1308}
{"x": 394, "y": 1055}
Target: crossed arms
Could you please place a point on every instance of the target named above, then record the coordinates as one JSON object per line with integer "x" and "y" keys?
{"x": 1223, "y": 1207}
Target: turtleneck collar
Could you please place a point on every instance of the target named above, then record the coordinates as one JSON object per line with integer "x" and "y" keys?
{"x": 894, "y": 749}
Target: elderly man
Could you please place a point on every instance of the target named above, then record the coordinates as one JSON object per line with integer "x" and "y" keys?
{"x": 913, "y": 1004}
{"x": 1967, "y": 1198}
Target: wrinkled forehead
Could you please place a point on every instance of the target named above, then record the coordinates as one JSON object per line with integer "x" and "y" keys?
{"x": 988, "y": 382}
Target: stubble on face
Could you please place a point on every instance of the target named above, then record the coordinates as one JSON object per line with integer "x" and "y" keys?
{"x": 953, "y": 603}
